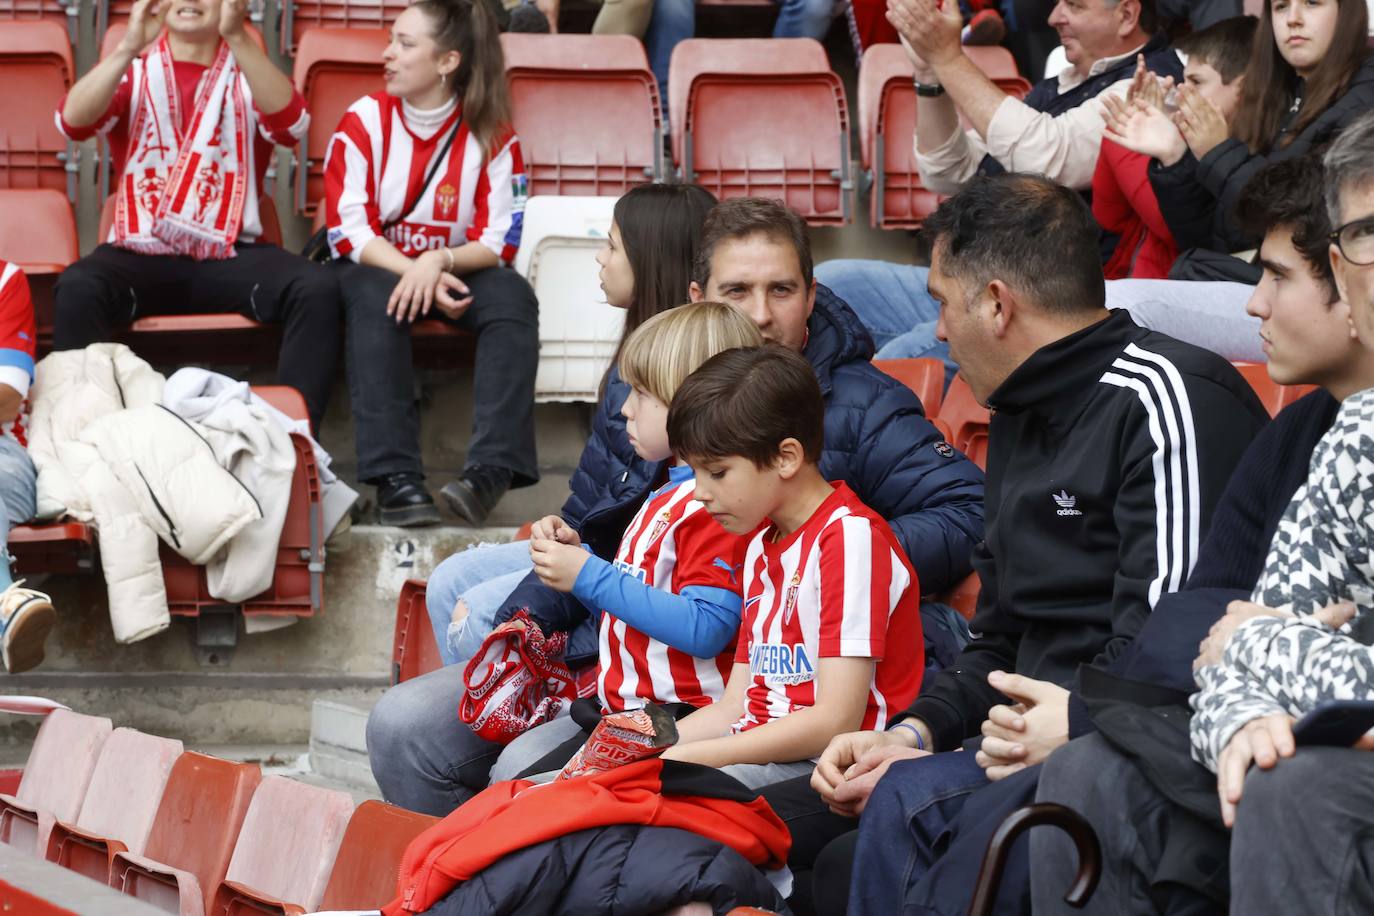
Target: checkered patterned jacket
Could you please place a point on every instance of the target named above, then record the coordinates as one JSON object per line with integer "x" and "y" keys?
{"x": 1322, "y": 553}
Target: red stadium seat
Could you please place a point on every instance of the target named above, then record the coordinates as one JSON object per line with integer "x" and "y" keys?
{"x": 586, "y": 111}
{"x": 58, "y": 547}
{"x": 887, "y": 115}
{"x": 333, "y": 69}
{"x": 63, "y": 12}
{"x": 285, "y": 851}
{"x": 117, "y": 813}
{"x": 996, "y": 61}
{"x": 192, "y": 837}
{"x": 300, "y": 17}
{"x": 364, "y": 875}
{"x": 1272, "y": 395}
{"x": 968, "y": 421}
{"x": 55, "y": 779}
{"x": 964, "y": 596}
{"x": 37, "y": 229}
{"x": 766, "y": 117}
{"x": 297, "y": 588}
{"x": 924, "y": 376}
{"x": 36, "y": 71}
{"x": 413, "y": 650}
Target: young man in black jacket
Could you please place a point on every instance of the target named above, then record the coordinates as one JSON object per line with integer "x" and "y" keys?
{"x": 1109, "y": 446}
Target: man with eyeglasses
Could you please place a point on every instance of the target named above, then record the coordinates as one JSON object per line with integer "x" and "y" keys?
{"x": 1292, "y": 820}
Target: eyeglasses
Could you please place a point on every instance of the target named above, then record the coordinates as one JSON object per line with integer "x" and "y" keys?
{"x": 1356, "y": 241}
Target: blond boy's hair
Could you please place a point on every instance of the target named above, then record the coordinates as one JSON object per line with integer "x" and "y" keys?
{"x": 667, "y": 348}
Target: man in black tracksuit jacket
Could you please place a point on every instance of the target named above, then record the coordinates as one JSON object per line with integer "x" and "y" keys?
{"x": 1109, "y": 447}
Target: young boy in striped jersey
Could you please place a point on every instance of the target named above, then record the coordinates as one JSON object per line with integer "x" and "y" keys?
{"x": 831, "y": 633}
{"x": 670, "y": 600}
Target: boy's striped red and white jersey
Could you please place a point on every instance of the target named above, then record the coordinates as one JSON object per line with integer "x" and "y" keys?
{"x": 673, "y": 543}
{"x": 839, "y": 585}
{"x": 375, "y": 164}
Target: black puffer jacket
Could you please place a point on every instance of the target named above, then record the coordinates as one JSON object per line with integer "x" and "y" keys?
{"x": 1198, "y": 198}
{"x": 623, "y": 869}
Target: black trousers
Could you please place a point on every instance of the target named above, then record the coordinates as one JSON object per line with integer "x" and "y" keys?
{"x": 381, "y": 377}
{"x": 111, "y": 287}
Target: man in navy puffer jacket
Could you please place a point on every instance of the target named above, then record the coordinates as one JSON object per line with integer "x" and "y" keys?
{"x": 754, "y": 255}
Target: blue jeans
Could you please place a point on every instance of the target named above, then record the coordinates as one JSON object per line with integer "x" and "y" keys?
{"x": 894, "y": 304}
{"x": 484, "y": 577}
{"x": 902, "y": 831}
{"x": 674, "y": 20}
{"x": 18, "y": 491}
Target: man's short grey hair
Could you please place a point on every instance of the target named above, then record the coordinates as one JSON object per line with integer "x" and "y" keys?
{"x": 1349, "y": 163}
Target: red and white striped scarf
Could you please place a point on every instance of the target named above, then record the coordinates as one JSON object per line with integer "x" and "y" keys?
{"x": 183, "y": 190}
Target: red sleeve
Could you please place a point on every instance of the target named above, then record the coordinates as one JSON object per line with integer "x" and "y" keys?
{"x": 287, "y": 126}
{"x": 1110, "y": 207}
{"x": 350, "y": 194}
{"x": 1133, "y": 175}
{"x": 860, "y": 583}
{"x": 18, "y": 335}
{"x": 708, "y": 555}
{"x": 116, "y": 115}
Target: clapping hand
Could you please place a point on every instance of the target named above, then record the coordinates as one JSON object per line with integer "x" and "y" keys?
{"x": 232, "y": 14}
{"x": 931, "y": 28}
{"x": 1142, "y": 128}
{"x": 146, "y": 19}
{"x": 1202, "y": 126}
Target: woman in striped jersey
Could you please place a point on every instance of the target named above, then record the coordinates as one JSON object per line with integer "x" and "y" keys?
{"x": 424, "y": 187}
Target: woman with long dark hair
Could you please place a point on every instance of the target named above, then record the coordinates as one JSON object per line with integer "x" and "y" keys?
{"x": 645, "y": 269}
{"x": 424, "y": 187}
{"x": 1310, "y": 74}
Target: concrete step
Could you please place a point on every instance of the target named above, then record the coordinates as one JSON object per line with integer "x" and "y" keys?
{"x": 338, "y": 745}
{"x": 263, "y": 693}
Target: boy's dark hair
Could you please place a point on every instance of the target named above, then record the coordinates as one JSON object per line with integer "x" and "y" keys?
{"x": 1224, "y": 46}
{"x": 745, "y": 402}
{"x": 1289, "y": 195}
{"x": 1027, "y": 231}
{"x": 742, "y": 217}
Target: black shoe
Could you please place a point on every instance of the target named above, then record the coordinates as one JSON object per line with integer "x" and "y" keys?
{"x": 403, "y": 501}
{"x": 476, "y": 493}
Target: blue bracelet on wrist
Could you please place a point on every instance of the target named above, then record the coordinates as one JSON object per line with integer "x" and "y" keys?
{"x": 920, "y": 742}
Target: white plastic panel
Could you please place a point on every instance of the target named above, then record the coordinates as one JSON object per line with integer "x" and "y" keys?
{"x": 578, "y": 330}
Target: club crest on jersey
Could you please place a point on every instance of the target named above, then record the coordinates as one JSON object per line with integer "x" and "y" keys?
{"x": 445, "y": 203}
{"x": 789, "y": 602}
{"x": 660, "y": 525}
{"x": 780, "y": 664}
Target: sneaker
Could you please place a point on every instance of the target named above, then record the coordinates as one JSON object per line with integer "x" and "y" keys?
{"x": 403, "y": 501}
{"x": 476, "y": 493}
{"x": 26, "y": 618}
{"x": 985, "y": 28}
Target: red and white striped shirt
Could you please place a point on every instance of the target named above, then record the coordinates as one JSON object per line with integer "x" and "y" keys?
{"x": 375, "y": 164}
{"x": 285, "y": 127}
{"x": 18, "y": 338}
{"x": 673, "y": 543}
{"x": 837, "y": 586}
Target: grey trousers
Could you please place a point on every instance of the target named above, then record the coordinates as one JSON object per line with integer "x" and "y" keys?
{"x": 1303, "y": 840}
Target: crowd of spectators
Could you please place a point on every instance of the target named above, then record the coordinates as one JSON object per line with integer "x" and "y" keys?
{"x": 762, "y": 524}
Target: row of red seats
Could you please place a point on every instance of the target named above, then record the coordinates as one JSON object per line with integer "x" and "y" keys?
{"x": 761, "y": 117}
{"x": 297, "y": 588}
{"x": 193, "y": 834}
{"x": 955, "y": 412}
